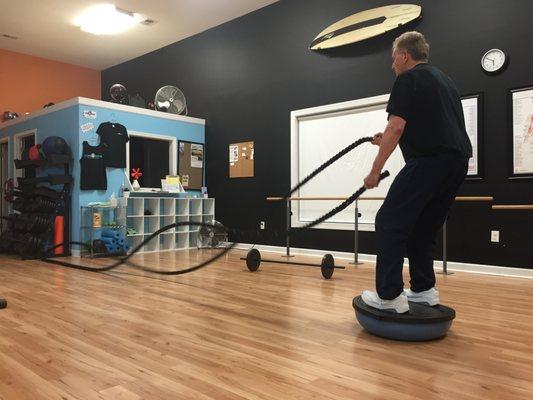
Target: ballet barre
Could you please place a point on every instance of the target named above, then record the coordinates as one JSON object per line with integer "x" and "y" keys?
{"x": 510, "y": 207}
{"x": 288, "y": 201}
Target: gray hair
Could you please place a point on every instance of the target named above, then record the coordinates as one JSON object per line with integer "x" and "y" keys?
{"x": 413, "y": 43}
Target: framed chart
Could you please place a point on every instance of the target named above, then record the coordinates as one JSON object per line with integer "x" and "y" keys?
{"x": 473, "y": 112}
{"x": 520, "y": 103}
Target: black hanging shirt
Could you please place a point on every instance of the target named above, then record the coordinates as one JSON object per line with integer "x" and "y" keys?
{"x": 93, "y": 174}
{"x": 114, "y": 136}
{"x": 429, "y": 101}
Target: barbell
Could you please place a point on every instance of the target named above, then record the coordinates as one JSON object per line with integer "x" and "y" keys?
{"x": 327, "y": 266}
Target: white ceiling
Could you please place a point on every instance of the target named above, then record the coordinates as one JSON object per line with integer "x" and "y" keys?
{"x": 45, "y": 27}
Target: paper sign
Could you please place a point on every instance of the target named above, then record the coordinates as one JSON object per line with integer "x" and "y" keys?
{"x": 89, "y": 114}
{"x": 89, "y": 126}
{"x": 233, "y": 154}
{"x": 197, "y": 155}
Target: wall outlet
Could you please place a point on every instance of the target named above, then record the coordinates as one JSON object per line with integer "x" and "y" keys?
{"x": 495, "y": 236}
{"x": 262, "y": 225}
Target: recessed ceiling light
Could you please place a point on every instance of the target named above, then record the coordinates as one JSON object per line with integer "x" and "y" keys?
{"x": 106, "y": 19}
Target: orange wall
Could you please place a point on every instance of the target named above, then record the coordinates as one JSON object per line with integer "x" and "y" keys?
{"x": 27, "y": 82}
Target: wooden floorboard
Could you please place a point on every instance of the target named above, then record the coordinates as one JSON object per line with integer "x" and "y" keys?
{"x": 225, "y": 333}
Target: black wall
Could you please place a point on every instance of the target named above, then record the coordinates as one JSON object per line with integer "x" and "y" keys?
{"x": 244, "y": 78}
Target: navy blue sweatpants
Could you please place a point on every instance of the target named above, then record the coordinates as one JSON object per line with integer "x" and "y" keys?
{"x": 411, "y": 215}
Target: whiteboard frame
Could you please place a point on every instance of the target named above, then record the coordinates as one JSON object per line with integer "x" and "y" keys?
{"x": 295, "y": 162}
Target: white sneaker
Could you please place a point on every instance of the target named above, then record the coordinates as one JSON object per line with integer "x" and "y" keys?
{"x": 399, "y": 304}
{"x": 429, "y": 297}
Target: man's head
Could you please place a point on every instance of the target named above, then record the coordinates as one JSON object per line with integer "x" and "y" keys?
{"x": 408, "y": 50}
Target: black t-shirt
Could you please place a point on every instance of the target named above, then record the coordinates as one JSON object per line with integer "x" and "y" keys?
{"x": 430, "y": 103}
{"x": 93, "y": 174}
{"x": 114, "y": 136}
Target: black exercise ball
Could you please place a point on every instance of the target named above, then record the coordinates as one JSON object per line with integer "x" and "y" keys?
{"x": 54, "y": 145}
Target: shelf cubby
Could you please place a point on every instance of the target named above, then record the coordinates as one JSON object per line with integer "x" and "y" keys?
{"x": 163, "y": 211}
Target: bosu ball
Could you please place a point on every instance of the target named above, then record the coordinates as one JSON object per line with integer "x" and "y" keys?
{"x": 420, "y": 323}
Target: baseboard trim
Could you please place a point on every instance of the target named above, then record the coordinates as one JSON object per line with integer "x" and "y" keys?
{"x": 452, "y": 266}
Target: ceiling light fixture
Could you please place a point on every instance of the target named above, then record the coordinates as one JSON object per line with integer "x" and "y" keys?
{"x": 106, "y": 19}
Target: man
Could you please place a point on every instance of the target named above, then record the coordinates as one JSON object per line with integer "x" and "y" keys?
{"x": 426, "y": 119}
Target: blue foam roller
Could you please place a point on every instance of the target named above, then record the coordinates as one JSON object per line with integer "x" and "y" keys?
{"x": 121, "y": 241}
{"x": 126, "y": 248}
{"x": 110, "y": 248}
{"x": 112, "y": 233}
{"x": 108, "y": 240}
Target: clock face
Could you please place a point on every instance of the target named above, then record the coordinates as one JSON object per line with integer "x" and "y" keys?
{"x": 493, "y": 60}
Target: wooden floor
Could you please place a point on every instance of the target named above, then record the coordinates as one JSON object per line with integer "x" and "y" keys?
{"x": 226, "y": 333}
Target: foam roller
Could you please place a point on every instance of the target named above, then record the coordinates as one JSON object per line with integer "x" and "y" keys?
{"x": 108, "y": 240}
{"x": 112, "y": 233}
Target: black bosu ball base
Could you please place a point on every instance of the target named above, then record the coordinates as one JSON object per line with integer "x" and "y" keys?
{"x": 421, "y": 323}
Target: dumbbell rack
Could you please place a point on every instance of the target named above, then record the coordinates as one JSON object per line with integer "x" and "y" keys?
{"x": 64, "y": 195}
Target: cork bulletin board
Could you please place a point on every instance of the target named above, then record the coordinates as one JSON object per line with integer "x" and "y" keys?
{"x": 241, "y": 160}
{"x": 191, "y": 164}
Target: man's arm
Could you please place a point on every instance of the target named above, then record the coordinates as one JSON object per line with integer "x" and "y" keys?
{"x": 389, "y": 141}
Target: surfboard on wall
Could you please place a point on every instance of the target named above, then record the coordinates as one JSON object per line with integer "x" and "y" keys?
{"x": 365, "y": 24}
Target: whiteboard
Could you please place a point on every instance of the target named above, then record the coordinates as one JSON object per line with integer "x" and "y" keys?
{"x": 319, "y": 133}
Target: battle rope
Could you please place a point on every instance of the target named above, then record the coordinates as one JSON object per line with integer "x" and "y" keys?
{"x": 340, "y": 154}
{"x": 126, "y": 260}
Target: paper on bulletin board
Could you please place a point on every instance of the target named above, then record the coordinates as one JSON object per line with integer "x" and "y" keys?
{"x": 197, "y": 155}
{"x": 233, "y": 153}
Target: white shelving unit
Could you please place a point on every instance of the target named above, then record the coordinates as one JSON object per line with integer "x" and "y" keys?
{"x": 148, "y": 214}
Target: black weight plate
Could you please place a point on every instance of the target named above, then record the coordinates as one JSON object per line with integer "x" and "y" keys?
{"x": 253, "y": 260}
{"x": 327, "y": 266}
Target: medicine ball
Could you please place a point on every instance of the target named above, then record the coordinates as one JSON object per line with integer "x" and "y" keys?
{"x": 54, "y": 145}
{"x": 35, "y": 152}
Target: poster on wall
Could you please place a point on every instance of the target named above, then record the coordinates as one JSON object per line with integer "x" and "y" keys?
{"x": 472, "y": 112}
{"x": 197, "y": 155}
{"x": 522, "y": 132}
{"x": 233, "y": 153}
